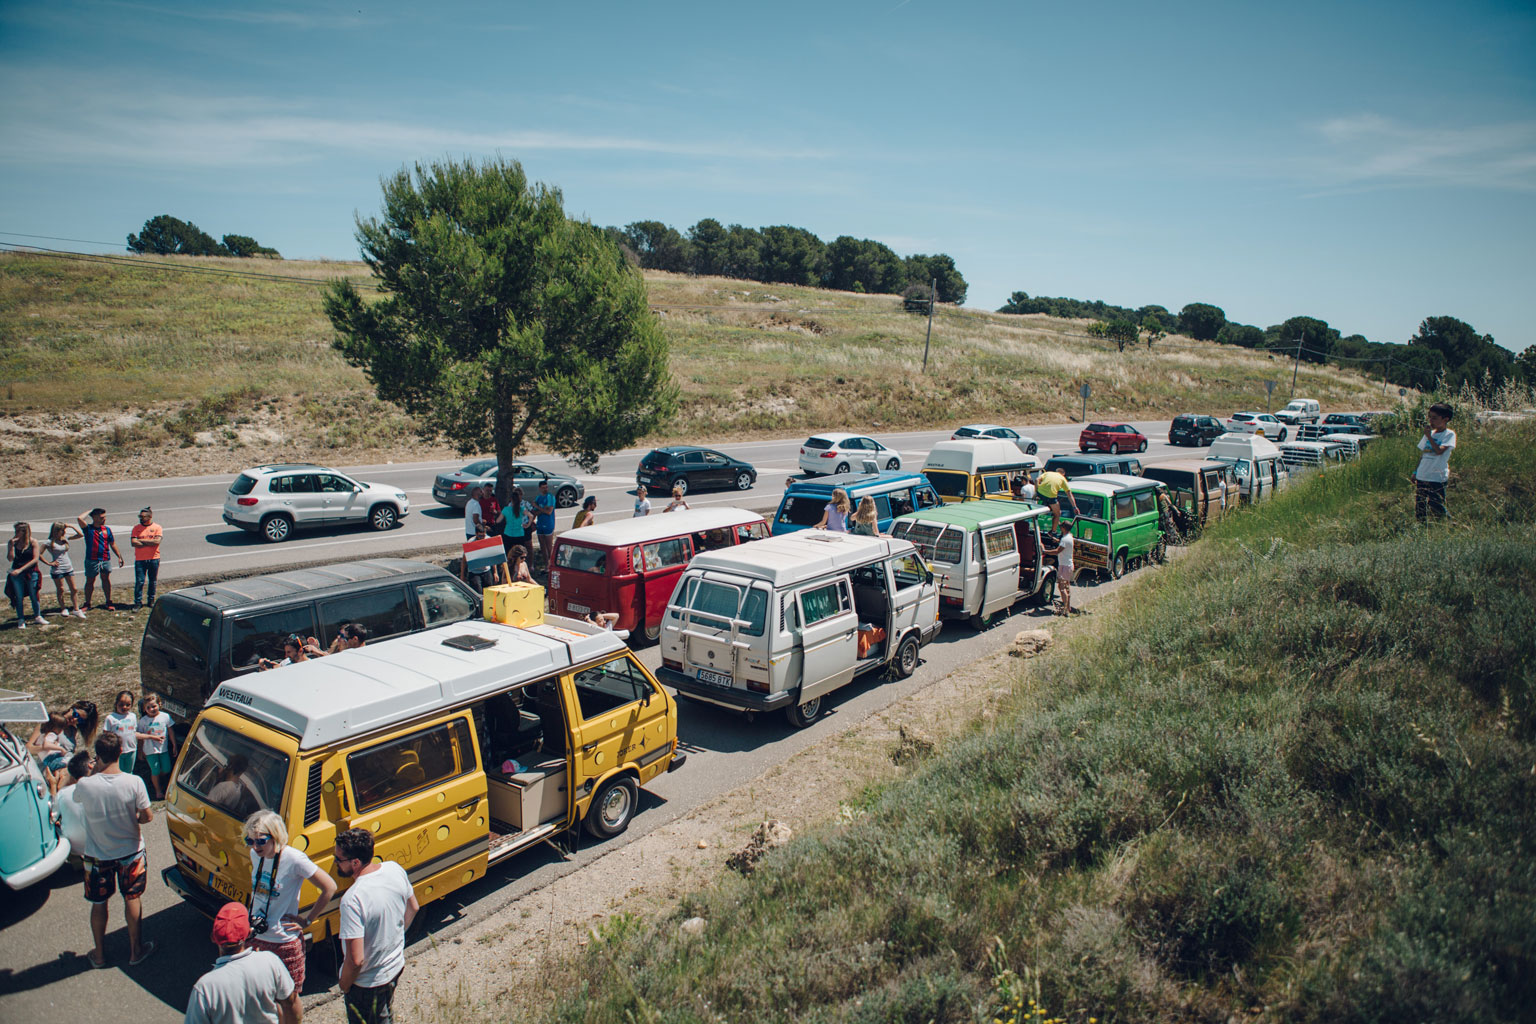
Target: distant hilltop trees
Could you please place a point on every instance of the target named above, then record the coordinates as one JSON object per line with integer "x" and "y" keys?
{"x": 786, "y": 255}
{"x": 168, "y": 236}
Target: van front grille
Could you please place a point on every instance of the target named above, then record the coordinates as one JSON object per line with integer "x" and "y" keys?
{"x": 312, "y": 795}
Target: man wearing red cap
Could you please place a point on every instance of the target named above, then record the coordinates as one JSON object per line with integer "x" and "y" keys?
{"x": 245, "y": 984}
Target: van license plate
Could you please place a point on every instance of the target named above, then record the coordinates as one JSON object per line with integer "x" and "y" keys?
{"x": 175, "y": 707}
{"x": 224, "y": 888}
{"x": 577, "y": 609}
{"x": 714, "y": 678}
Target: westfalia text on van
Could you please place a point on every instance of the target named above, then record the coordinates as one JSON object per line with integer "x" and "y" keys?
{"x": 455, "y": 747}
{"x": 778, "y": 624}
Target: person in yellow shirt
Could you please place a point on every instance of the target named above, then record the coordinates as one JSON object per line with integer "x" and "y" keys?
{"x": 1052, "y": 489}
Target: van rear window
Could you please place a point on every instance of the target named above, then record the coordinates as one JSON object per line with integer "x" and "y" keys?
{"x": 934, "y": 542}
{"x": 232, "y": 772}
{"x": 580, "y": 558}
{"x": 949, "y": 485}
{"x": 804, "y": 510}
{"x": 723, "y": 602}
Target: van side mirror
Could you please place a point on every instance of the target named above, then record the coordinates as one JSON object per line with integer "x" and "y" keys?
{"x": 650, "y": 690}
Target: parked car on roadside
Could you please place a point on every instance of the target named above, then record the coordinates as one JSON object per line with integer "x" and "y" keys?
{"x": 452, "y": 489}
{"x": 1256, "y": 423}
{"x": 1190, "y": 428}
{"x": 694, "y": 469}
{"x": 1111, "y": 437}
{"x": 1026, "y": 445}
{"x": 1300, "y": 410}
{"x": 1118, "y": 524}
{"x": 842, "y": 453}
{"x": 1074, "y": 466}
{"x": 275, "y": 500}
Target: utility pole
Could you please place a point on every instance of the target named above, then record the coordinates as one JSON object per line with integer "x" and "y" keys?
{"x": 1297, "y": 366}
{"x": 933, "y": 293}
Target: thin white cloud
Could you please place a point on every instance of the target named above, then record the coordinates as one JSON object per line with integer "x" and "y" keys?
{"x": 1368, "y": 149}
{"x": 301, "y": 19}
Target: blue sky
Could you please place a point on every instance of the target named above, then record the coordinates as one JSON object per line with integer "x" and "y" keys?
{"x": 1369, "y": 164}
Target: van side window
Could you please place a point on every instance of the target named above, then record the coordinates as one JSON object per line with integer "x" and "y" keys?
{"x": 443, "y": 602}
{"x": 253, "y": 637}
{"x": 1146, "y": 501}
{"x": 751, "y": 531}
{"x": 401, "y": 766}
{"x": 385, "y": 613}
{"x": 999, "y": 542}
{"x": 664, "y": 553}
{"x": 608, "y": 686}
{"x": 900, "y": 503}
{"x": 994, "y": 483}
{"x": 909, "y": 571}
{"x": 824, "y": 602}
{"x": 927, "y": 497}
{"x": 181, "y": 627}
{"x": 1125, "y": 506}
{"x": 949, "y": 546}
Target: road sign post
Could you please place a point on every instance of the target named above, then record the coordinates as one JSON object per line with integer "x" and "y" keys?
{"x": 1269, "y": 395}
{"x": 1085, "y": 392}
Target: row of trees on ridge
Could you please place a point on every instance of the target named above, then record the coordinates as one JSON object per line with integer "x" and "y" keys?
{"x": 170, "y": 236}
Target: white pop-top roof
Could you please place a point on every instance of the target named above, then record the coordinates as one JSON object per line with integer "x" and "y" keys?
{"x": 1108, "y": 482}
{"x": 1242, "y": 446}
{"x": 345, "y": 695}
{"x": 657, "y": 525}
{"x": 971, "y": 454}
{"x": 797, "y": 557}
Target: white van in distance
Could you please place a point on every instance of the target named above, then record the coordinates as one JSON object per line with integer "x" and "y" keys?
{"x": 779, "y": 623}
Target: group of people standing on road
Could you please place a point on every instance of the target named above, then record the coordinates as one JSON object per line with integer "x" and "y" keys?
{"x": 27, "y": 555}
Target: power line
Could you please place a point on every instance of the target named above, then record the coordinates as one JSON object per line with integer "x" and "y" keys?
{"x": 56, "y": 238}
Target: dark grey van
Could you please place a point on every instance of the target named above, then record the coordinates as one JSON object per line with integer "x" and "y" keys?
{"x": 200, "y": 636}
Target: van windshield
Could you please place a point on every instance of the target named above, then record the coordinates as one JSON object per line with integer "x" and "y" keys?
{"x": 580, "y": 558}
{"x": 722, "y": 602}
{"x": 948, "y": 484}
{"x": 1091, "y": 505}
{"x": 804, "y": 510}
{"x": 232, "y": 772}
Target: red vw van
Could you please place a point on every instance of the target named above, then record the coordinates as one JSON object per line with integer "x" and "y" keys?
{"x": 631, "y": 566}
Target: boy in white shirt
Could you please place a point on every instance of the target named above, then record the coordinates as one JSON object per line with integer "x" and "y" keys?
{"x": 1434, "y": 469}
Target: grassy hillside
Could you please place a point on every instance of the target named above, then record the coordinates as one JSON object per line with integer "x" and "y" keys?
{"x": 1288, "y": 778}
{"x": 104, "y": 366}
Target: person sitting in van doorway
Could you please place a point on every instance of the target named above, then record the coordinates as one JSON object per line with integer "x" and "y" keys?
{"x": 1064, "y": 567}
{"x": 1054, "y": 491}
{"x": 375, "y": 913}
{"x": 834, "y": 516}
{"x": 245, "y": 984}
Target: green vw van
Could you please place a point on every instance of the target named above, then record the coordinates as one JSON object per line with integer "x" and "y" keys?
{"x": 1118, "y": 522}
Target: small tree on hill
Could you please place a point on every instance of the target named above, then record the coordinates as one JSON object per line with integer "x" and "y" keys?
{"x": 1122, "y": 333}
{"x": 245, "y": 245}
{"x": 501, "y": 318}
{"x": 167, "y": 236}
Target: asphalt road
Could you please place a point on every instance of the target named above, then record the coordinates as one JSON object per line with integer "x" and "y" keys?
{"x": 44, "y": 931}
{"x": 198, "y": 542}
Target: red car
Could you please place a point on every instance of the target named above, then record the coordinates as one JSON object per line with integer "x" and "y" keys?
{"x": 1112, "y": 437}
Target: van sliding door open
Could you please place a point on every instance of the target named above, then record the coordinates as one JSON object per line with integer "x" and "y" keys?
{"x": 1001, "y": 583}
{"x": 828, "y": 637}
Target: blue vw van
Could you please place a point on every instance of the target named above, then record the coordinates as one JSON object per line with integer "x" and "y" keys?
{"x": 896, "y": 493}
{"x": 31, "y": 847}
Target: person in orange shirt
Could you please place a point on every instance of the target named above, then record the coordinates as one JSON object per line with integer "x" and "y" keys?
{"x": 146, "y": 556}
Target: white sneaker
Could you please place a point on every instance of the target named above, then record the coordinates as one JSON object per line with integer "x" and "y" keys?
{"x": 21, "y": 623}
{"x": 79, "y": 613}
{"x": 40, "y": 621}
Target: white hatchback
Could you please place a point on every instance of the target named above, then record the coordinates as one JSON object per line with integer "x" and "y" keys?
{"x": 276, "y": 500}
{"x": 1026, "y": 444}
{"x": 845, "y": 453}
{"x": 1256, "y": 423}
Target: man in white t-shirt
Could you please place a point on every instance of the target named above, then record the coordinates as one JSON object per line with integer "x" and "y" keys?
{"x": 246, "y": 985}
{"x": 642, "y": 503}
{"x": 473, "y": 512}
{"x": 114, "y": 805}
{"x": 375, "y": 912}
{"x": 1065, "y": 570}
{"x": 1434, "y": 470}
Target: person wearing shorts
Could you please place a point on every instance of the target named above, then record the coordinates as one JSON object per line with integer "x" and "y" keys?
{"x": 100, "y": 546}
{"x": 114, "y": 806}
{"x": 1065, "y": 570}
{"x": 544, "y": 521}
{"x": 1053, "y": 490}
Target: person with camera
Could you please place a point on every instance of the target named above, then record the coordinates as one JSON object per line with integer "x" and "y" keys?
{"x": 278, "y": 873}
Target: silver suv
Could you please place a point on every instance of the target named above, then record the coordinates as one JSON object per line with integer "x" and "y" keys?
{"x": 276, "y": 500}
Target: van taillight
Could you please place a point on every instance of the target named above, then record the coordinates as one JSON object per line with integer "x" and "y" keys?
{"x": 675, "y": 666}
{"x": 246, "y": 501}
{"x": 756, "y": 685}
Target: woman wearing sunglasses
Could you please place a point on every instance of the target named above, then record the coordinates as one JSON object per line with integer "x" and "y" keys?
{"x": 278, "y": 873}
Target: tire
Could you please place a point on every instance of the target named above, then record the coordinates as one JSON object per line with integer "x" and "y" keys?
{"x": 1033, "y": 449}
{"x": 802, "y": 715}
{"x": 1043, "y": 597}
{"x": 1143, "y": 447}
{"x": 744, "y": 481}
{"x": 893, "y": 464}
{"x": 276, "y": 528}
{"x": 842, "y": 467}
{"x": 383, "y": 517}
{"x": 613, "y": 808}
{"x": 1283, "y": 432}
{"x": 979, "y": 622}
{"x": 565, "y": 497}
{"x": 651, "y": 633}
{"x": 1114, "y": 447}
{"x": 905, "y": 662}
{"x": 680, "y": 482}
{"x": 1117, "y": 567}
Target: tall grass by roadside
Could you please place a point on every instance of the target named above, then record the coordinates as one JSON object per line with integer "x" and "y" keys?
{"x": 1290, "y": 777}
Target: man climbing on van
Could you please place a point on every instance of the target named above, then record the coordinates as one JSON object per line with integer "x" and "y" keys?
{"x": 1052, "y": 489}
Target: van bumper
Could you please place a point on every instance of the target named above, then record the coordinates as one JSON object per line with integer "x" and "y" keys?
{"x": 206, "y": 902}
{"x": 678, "y": 760}
{"x": 41, "y": 868}
{"x": 741, "y": 700}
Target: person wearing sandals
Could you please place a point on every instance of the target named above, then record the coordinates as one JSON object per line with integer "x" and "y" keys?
{"x": 278, "y": 873}
{"x": 115, "y": 806}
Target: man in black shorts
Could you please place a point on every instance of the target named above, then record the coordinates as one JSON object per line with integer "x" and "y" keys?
{"x": 114, "y": 805}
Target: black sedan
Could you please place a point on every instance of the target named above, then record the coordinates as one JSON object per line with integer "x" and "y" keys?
{"x": 693, "y": 468}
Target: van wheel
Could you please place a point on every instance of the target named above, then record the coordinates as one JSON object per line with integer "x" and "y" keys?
{"x": 1117, "y": 567}
{"x": 906, "y": 658}
{"x": 383, "y": 517}
{"x": 979, "y": 622}
{"x": 743, "y": 481}
{"x": 802, "y": 715}
{"x": 1114, "y": 447}
{"x": 652, "y": 633}
{"x": 893, "y": 464}
{"x": 612, "y": 808}
{"x": 566, "y": 497}
{"x": 842, "y": 467}
{"x": 1045, "y": 595}
{"x": 276, "y": 529}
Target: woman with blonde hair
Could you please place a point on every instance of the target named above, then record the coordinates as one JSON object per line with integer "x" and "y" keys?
{"x": 866, "y": 520}
{"x": 677, "y": 500}
{"x": 24, "y": 579}
{"x": 278, "y": 873}
{"x": 835, "y": 516}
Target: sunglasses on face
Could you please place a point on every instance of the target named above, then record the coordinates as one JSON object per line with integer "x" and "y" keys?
{"x": 257, "y": 840}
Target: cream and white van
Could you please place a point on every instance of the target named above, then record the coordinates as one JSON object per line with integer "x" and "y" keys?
{"x": 988, "y": 555}
{"x": 975, "y": 468}
{"x": 779, "y": 623}
{"x": 1257, "y": 464}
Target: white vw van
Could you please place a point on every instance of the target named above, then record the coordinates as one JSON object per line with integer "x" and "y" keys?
{"x": 1256, "y": 463}
{"x": 779, "y": 623}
